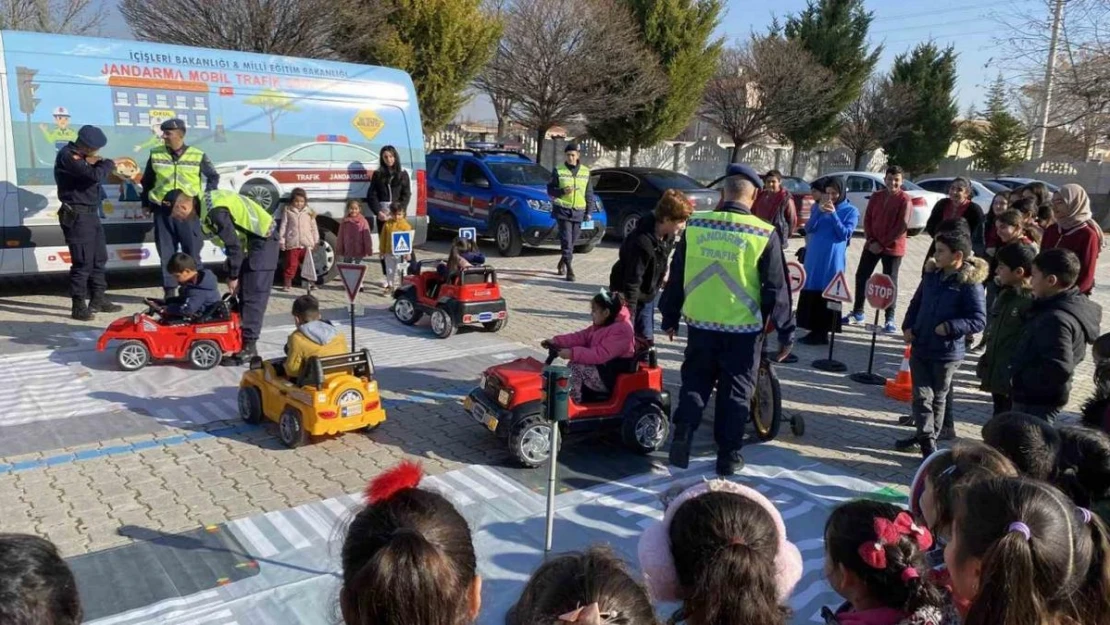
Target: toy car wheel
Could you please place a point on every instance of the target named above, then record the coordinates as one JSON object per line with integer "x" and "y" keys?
{"x": 250, "y": 405}
{"x": 442, "y": 324}
{"x": 766, "y": 409}
{"x": 530, "y": 441}
{"x": 798, "y": 425}
{"x": 205, "y": 354}
{"x": 494, "y": 326}
{"x": 507, "y": 234}
{"x": 132, "y": 355}
{"x": 644, "y": 428}
{"x": 406, "y": 311}
{"x": 291, "y": 430}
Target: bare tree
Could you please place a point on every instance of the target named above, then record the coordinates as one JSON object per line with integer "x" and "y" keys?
{"x": 292, "y": 27}
{"x": 502, "y": 104}
{"x": 76, "y": 17}
{"x": 770, "y": 82}
{"x": 563, "y": 61}
{"x": 880, "y": 114}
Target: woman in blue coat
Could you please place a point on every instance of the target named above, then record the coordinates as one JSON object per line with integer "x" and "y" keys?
{"x": 828, "y": 231}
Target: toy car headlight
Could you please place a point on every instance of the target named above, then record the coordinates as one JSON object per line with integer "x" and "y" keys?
{"x": 504, "y": 397}
{"x": 540, "y": 205}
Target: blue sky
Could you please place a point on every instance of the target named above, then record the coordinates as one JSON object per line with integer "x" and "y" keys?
{"x": 898, "y": 25}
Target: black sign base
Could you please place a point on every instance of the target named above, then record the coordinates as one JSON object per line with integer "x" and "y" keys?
{"x": 828, "y": 364}
{"x": 864, "y": 377}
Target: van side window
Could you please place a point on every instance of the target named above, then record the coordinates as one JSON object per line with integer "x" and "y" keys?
{"x": 446, "y": 171}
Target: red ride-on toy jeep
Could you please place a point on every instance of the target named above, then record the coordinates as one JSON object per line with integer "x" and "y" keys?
{"x": 468, "y": 296}
{"x": 202, "y": 340}
{"x": 507, "y": 402}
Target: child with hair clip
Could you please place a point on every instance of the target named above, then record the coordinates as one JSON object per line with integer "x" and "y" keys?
{"x": 874, "y": 558}
{"x": 36, "y": 585}
{"x": 587, "y": 588}
{"x": 394, "y": 264}
{"x": 609, "y": 337}
{"x": 1022, "y": 553}
{"x": 464, "y": 253}
{"x": 722, "y": 550}
{"x": 408, "y": 557}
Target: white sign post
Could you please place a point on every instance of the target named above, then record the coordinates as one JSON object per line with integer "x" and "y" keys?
{"x": 352, "y": 276}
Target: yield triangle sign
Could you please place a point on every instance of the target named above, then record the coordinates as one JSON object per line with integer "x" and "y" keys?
{"x": 838, "y": 289}
{"x": 351, "y": 275}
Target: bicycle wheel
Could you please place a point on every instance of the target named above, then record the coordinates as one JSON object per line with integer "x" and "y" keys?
{"x": 766, "y": 408}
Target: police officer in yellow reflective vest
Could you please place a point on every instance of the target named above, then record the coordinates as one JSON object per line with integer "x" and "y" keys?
{"x": 727, "y": 279}
{"x": 175, "y": 166}
{"x": 572, "y": 197}
{"x": 248, "y": 233}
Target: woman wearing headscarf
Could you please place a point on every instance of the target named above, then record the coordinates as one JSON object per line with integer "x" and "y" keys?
{"x": 388, "y": 184}
{"x": 828, "y": 231}
{"x": 1074, "y": 229}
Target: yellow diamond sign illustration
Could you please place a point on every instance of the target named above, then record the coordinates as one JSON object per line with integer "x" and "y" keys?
{"x": 368, "y": 123}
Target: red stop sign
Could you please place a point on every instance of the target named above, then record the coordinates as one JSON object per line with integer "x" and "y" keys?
{"x": 881, "y": 291}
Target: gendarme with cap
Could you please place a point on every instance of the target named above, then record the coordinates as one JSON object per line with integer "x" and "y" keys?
{"x": 575, "y": 182}
{"x": 182, "y": 174}
{"x": 721, "y": 280}
{"x": 248, "y": 215}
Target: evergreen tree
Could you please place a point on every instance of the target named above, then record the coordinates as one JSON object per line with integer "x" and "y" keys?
{"x": 678, "y": 32}
{"x": 1000, "y": 144}
{"x": 835, "y": 33}
{"x": 929, "y": 73}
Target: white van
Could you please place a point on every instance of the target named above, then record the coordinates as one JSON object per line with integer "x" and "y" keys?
{"x": 268, "y": 123}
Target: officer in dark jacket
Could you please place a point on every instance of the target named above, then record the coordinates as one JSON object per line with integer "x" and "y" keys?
{"x": 572, "y": 196}
{"x": 1061, "y": 323}
{"x": 79, "y": 171}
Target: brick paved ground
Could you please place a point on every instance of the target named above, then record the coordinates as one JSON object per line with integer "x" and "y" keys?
{"x": 238, "y": 472}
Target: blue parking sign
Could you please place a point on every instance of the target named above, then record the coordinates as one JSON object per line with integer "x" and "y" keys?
{"x": 402, "y": 243}
{"x": 468, "y": 233}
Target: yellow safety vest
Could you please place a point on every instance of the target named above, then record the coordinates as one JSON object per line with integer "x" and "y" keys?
{"x": 578, "y": 183}
{"x": 183, "y": 174}
{"x": 249, "y": 217}
{"x": 721, "y": 282}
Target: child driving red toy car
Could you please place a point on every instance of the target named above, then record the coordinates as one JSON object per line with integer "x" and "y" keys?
{"x": 609, "y": 337}
{"x": 198, "y": 290}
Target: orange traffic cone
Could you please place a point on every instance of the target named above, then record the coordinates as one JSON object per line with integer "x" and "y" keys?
{"x": 901, "y": 387}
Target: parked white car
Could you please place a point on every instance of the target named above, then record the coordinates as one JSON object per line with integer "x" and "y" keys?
{"x": 859, "y": 185}
{"x": 982, "y": 191}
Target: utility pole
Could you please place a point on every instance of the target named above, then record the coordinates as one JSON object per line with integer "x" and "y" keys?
{"x": 1050, "y": 70}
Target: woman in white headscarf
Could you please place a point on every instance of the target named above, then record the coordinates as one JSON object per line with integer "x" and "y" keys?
{"x": 1075, "y": 229}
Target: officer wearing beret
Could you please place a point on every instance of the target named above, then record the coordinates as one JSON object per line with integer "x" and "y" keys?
{"x": 79, "y": 171}
{"x": 572, "y": 197}
{"x": 175, "y": 167}
{"x": 727, "y": 279}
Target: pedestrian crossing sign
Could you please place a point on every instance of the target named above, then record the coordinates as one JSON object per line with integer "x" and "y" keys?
{"x": 837, "y": 290}
{"x": 402, "y": 243}
{"x": 470, "y": 234}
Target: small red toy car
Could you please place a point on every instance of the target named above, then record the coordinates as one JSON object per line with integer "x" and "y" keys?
{"x": 507, "y": 401}
{"x": 202, "y": 341}
{"x": 468, "y": 296}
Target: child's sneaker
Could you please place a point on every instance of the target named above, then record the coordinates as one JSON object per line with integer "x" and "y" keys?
{"x": 890, "y": 328}
{"x": 854, "y": 318}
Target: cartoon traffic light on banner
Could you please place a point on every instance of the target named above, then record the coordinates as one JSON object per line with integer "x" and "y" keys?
{"x": 28, "y": 102}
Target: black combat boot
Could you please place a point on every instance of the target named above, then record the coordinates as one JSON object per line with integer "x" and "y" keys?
{"x": 561, "y": 268}
{"x": 680, "y": 446}
{"x": 729, "y": 462}
{"x": 81, "y": 312}
{"x": 243, "y": 357}
{"x": 101, "y": 303}
{"x": 570, "y": 273}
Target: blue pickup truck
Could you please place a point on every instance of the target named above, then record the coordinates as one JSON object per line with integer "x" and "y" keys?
{"x": 502, "y": 194}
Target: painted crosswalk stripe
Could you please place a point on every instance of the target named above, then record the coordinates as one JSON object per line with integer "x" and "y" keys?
{"x": 452, "y": 494}
{"x": 162, "y": 606}
{"x": 799, "y": 509}
{"x": 462, "y": 478}
{"x": 261, "y": 547}
{"x": 810, "y": 544}
{"x": 217, "y": 412}
{"x": 801, "y": 599}
{"x": 288, "y": 532}
{"x": 194, "y": 415}
{"x": 224, "y": 617}
{"x": 165, "y": 414}
{"x": 204, "y": 614}
{"x": 506, "y": 485}
{"x": 319, "y": 524}
{"x": 341, "y": 512}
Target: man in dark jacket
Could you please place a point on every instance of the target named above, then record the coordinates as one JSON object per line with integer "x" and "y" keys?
{"x": 1061, "y": 323}
{"x": 641, "y": 266}
{"x": 572, "y": 198}
{"x": 79, "y": 171}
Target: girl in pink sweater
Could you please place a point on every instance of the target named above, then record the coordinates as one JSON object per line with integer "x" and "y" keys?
{"x": 609, "y": 337}
{"x": 354, "y": 243}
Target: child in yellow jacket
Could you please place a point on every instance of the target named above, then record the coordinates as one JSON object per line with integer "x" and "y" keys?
{"x": 313, "y": 337}
{"x": 394, "y": 264}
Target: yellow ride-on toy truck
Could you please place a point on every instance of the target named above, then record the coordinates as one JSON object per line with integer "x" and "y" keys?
{"x": 333, "y": 394}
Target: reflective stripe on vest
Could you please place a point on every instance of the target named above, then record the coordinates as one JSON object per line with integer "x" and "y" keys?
{"x": 249, "y": 217}
{"x": 577, "y": 183}
{"x": 182, "y": 174}
{"x": 722, "y": 283}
